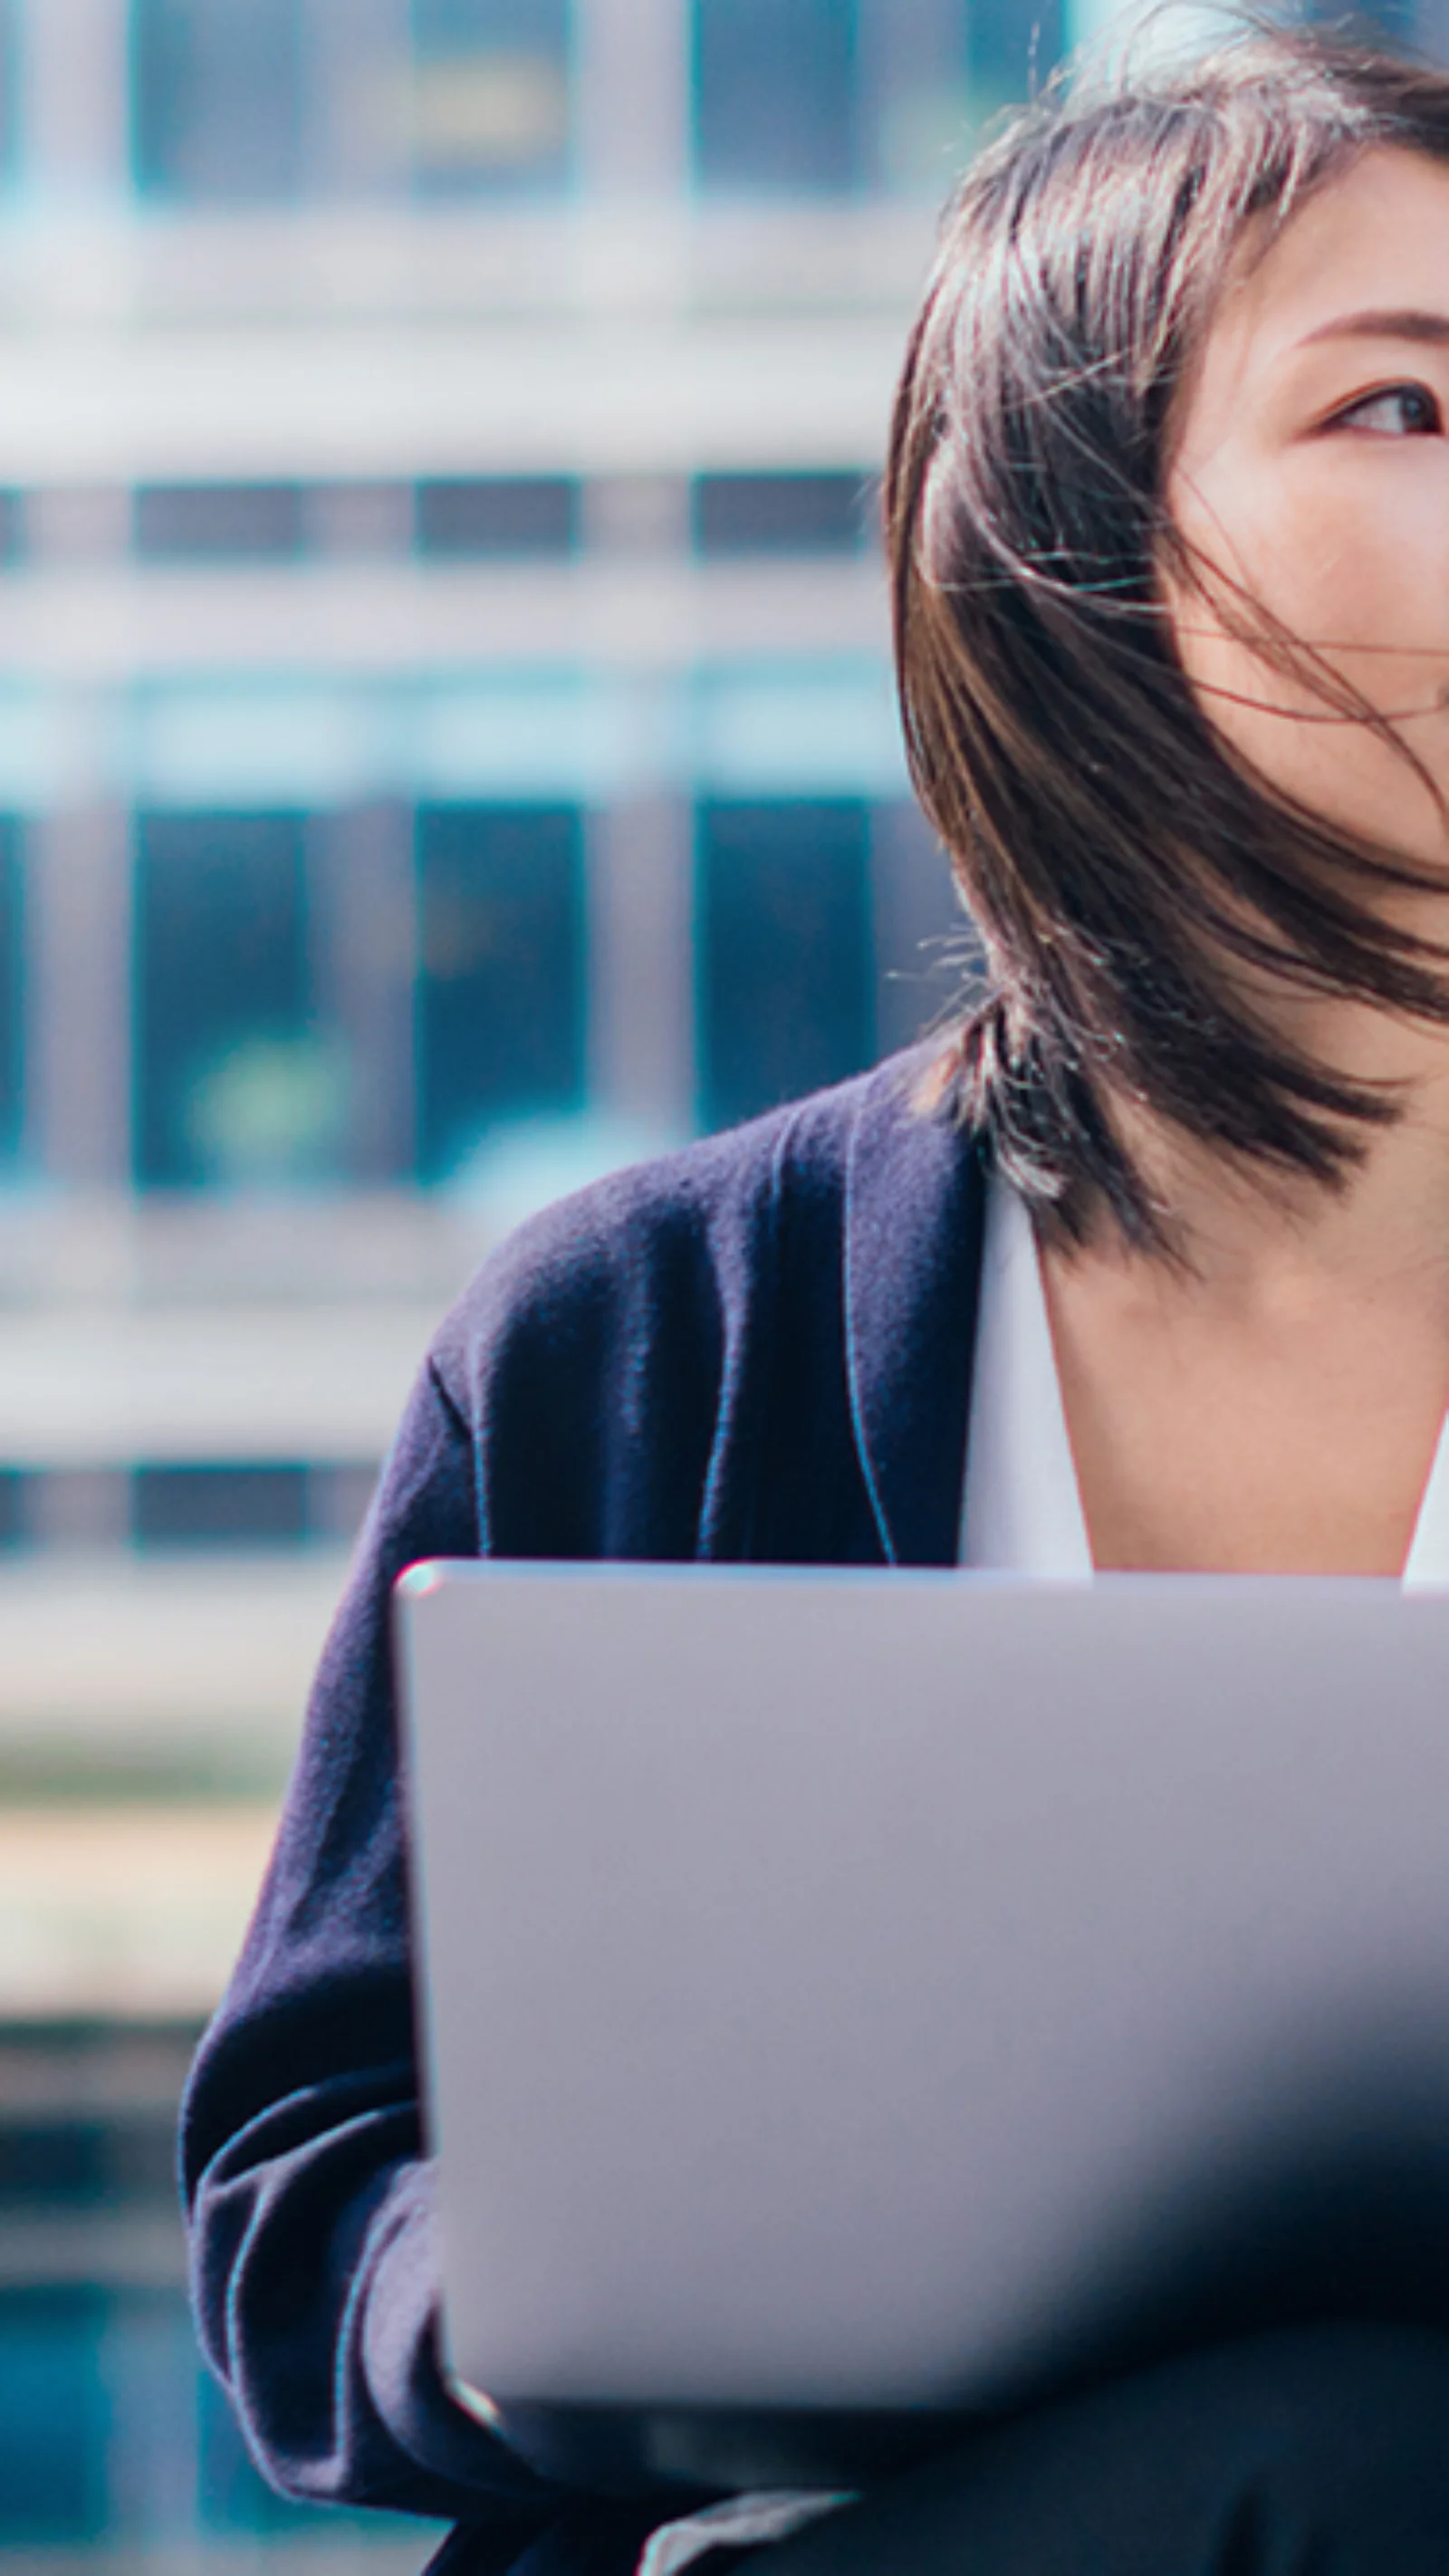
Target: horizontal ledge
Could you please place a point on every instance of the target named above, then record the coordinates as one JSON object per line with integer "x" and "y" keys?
{"x": 161, "y": 1654}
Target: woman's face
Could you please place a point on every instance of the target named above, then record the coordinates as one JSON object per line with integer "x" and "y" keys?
{"x": 1312, "y": 467}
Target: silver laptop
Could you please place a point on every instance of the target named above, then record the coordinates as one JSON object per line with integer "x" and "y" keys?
{"x": 855, "y": 1997}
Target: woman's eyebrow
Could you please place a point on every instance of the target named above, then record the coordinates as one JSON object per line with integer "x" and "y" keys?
{"x": 1405, "y": 323}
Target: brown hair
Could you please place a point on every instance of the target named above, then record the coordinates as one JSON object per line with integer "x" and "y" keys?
{"x": 1122, "y": 863}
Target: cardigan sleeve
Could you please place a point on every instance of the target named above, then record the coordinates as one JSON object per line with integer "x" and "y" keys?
{"x": 309, "y": 2200}
{"x": 626, "y": 1379}
{"x": 569, "y": 1408}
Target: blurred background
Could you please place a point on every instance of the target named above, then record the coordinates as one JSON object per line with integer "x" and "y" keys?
{"x": 446, "y": 749}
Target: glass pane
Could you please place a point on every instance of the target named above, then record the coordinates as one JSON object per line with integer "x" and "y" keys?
{"x": 774, "y": 93}
{"x": 235, "y": 1086}
{"x": 216, "y": 97}
{"x": 53, "y": 2423}
{"x": 10, "y": 39}
{"x": 490, "y": 93}
{"x": 500, "y": 1004}
{"x": 782, "y": 514}
{"x": 15, "y": 1512}
{"x": 497, "y": 514}
{"x": 59, "y": 2163}
{"x": 358, "y": 89}
{"x": 1010, "y": 49}
{"x": 216, "y": 1506}
{"x": 915, "y": 91}
{"x": 783, "y": 915}
{"x": 933, "y": 73}
{"x": 12, "y": 989}
{"x": 208, "y": 521}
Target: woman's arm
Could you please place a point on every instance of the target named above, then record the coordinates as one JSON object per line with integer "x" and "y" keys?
{"x": 312, "y": 2236}
{"x": 626, "y": 1379}
{"x": 569, "y": 1409}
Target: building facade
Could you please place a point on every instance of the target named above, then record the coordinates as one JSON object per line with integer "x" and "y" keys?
{"x": 446, "y": 739}
{"x": 446, "y": 742}
{"x": 446, "y": 748}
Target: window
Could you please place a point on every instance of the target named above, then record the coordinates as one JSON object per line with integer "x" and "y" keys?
{"x": 57, "y": 2410}
{"x": 918, "y": 108}
{"x": 11, "y": 37}
{"x": 217, "y": 98}
{"x": 774, "y": 93}
{"x": 206, "y": 522}
{"x": 784, "y": 951}
{"x": 830, "y": 95}
{"x": 235, "y": 1085}
{"x": 490, "y": 94}
{"x": 15, "y": 1485}
{"x": 249, "y": 100}
{"x": 914, "y": 91}
{"x": 498, "y": 514}
{"x": 500, "y": 998}
{"x": 781, "y": 514}
{"x": 56, "y": 2163}
{"x": 12, "y": 990}
{"x": 219, "y": 1506}
{"x": 1010, "y": 47}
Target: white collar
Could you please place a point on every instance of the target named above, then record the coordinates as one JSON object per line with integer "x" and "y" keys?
{"x": 1021, "y": 1508}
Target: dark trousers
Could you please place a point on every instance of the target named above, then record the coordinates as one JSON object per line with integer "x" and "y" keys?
{"x": 1315, "y": 2451}
{"x": 1323, "y": 2451}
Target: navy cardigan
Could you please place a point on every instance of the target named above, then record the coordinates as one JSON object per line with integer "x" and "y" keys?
{"x": 757, "y": 1349}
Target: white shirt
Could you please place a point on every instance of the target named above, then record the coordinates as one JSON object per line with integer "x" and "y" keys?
{"x": 1022, "y": 1508}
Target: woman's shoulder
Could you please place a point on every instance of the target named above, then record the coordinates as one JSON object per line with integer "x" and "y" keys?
{"x": 689, "y": 1234}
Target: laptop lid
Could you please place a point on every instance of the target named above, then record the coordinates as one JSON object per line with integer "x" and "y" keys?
{"x": 898, "y": 1990}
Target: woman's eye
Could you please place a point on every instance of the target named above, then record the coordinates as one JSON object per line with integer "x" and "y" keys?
{"x": 1400, "y": 411}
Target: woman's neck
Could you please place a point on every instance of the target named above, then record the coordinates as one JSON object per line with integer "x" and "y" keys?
{"x": 1259, "y": 1235}
{"x": 1271, "y": 1402}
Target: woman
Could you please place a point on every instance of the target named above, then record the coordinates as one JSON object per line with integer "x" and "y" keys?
{"x": 1168, "y": 508}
